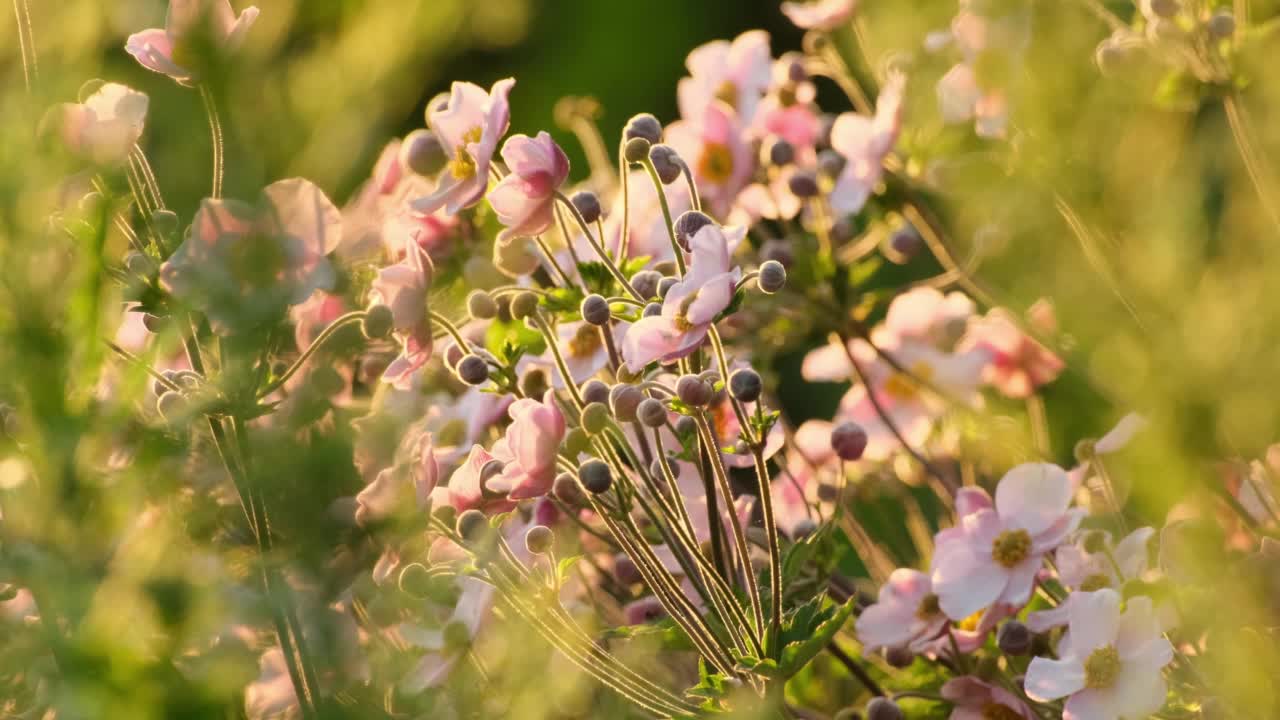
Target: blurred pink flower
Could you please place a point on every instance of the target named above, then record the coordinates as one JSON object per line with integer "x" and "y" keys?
{"x": 171, "y": 50}
{"x": 403, "y": 287}
{"x": 1079, "y": 569}
{"x": 735, "y": 74}
{"x": 469, "y": 128}
{"x": 466, "y": 492}
{"x": 1109, "y": 663}
{"x": 823, "y": 15}
{"x": 271, "y": 695}
{"x": 689, "y": 307}
{"x": 583, "y": 350}
{"x": 905, "y": 615}
{"x": 865, "y": 142}
{"x": 529, "y": 448}
{"x": 105, "y": 127}
{"x": 713, "y": 141}
{"x": 474, "y": 605}
{"x": 242, "y": 264}
{"x": 525, "y": 198}
{"x": 975, "y": 699}
{"x": 994, "y": 554}
{"x": 419, "y": 472}
{"x": 1019, "y": 364}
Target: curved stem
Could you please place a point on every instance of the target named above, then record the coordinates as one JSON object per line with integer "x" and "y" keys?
{"x": 775, "y": 561}
{"x": 666, "y": 214}
{"x": 315, "y": 345}
{"x": 595, "y": 245}
{"x": 1255, "y": 163}
{"x": 215, "y": 134}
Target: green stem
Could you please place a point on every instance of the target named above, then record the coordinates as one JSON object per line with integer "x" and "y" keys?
{"x": 215, "y": 135}
{"x": 319, "y": 342}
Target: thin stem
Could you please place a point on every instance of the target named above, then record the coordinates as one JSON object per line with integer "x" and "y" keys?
{"x": 855, "y": 669}
{"x": 142, "y": 364}
{"x": 595, "y": 245}
{"x": 1093, "y": 254}
{"x": 624, "y": 171}
{"x": 315, "y": 345}
{"x": 666, "y": 214}
{"x": 695, "y": 200}
{"x": 1255, "y": 163}
{"x": 771, "y": 538}
{"x": 551, "y": 260}
{"x": 26, "y": 43}
{"x": 215, "y": 135}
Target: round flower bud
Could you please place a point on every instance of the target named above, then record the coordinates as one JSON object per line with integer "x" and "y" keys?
{"x": 803, "y": 184}
{"x": 472, "y": 525}
{"x": 655, "y": 467}
{"x": 452, "y": 356}
{"x": 625, "y": 399}
{"x": 473, "y": 370}
{"x": 636, "y": 149}
{"x": 588, "y": 204}
{"x": 882, "y": 708}
{"x": 138, "y": 264}
{"x": 419, "y": 581}
{"x": 781, "y": 153}
{"x": 422, "y": 153}
{"x": 1165, "y": 8}
{"x": 645, "y": 283}
{"x": 899, "y": 657}
{"x": 153, "y": 323}
{"x": 903, "y": 245}
{"x": 693, "y": 390}
{"x": 595, "y": 476}
{"x": 1014, "y": 638}
{"x": 831, "y": 164}
{"x": 516, "y": 257}
{"x": 377, "y": 322}
{"x": 625, "y": 570}
{"x": 849, "y": 441}
{"x": 566, "y": 489}
{"x": 644, "y": 126}
{"x": 1221, "y": 25}
{"x": 171, "y": 405}
{"x": 481, "y": 305}
{"x": 595, "y": 391}
{"x": 842, "y": 230}
{"x": 653, "y": 309}
{"x": 165, "y": 222}
{"x": 594, "y": 418}
{"x": 523, "y": 305}
{"x": 666, "y": 162}
{"x": 688, "y": 225}
{"x": 539, "y": 539}
{"x": 595, "y": 310}
{"x": 745, "y": 385}
{"x": 686, "y": 426}
{"x": 772, "y": 278}
{"x": 446, "y": 514}
{"x": 795, "y": 67}
{"x": 665, "y": 285}
{"x": 651, "y": 413}
{"x": 533, "y": 383}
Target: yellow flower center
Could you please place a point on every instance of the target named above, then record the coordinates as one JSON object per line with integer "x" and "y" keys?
{"x": 727, "y": 93}
{"x": 1011, "y": 547}
{"x": 585, "y": 341}
{"x": 463, "y": 166}
{"x": 928, "y": 607}
{"x": 1102, "y": 668}
{"x": 716, "y": 163}
{"x": 902, "y": 386}
{"x": 1096, "y": 581}
{"x": 970, "y": 623}
{"x": 996, "y": 711}
{"x": 682, "y": 315}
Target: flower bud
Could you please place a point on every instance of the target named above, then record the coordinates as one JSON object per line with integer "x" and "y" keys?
{"x": 686, "y": 426}
{"x": 665, "y": 285}
{"x": 377, "y": 322}
{"x": 594, "y": 418}
{"x": 539, "y": 539}
{"x": 803, "y": 184}
{"x": 651, "y": 413}
{"x": 164, "y": 222}
{"x": 422, "y": 153}
{"x": 831, "y": 164}
{"x": 693, "y": 390}
{"x": 688, "y": 225}
{"x": 481, "y": 305}
{"x": 625, "y": 399}
{"x": 473, "y": 370}
{"x": 171, "y": 405}
{"x": 138, "y": 264}
{"x": 567, "y": 490}
{"x": 418, "y": 580}
{"x": 625, "y": 570}
{"x": 903, "y": 245}
{"x": 882, "y": 708}
{"x": 588, "y": 204}
{"x": 849, "y": 441}
{"x": 595, "y": 391}
{"x": 523, "y": 305}
{"x": 533, "y": 382}
{"x": 899, "y": 657}
{"x": 643, "y": 126}
{"x": 636, "y": 149}
{"x": 781, "y": 153}
{"x": 645, "y": 283}
{"x": 452, "y": 356}
{"x": 595, "y": 476}
{"x": 653, "y": 309}
{"x": 1221, "y": 25}
{"x": 516, "y": 257}
{"x": 1165, "y": 8}
{"x": 772, "y": 278}
{"x": 472, "y": 525}
{"x": 745, "y": 385}
{"x": 595, "y": 310}
{"x": 1014, "y": 638}
{"x": 666, "y": 162}
{"x": 655, "y": 467}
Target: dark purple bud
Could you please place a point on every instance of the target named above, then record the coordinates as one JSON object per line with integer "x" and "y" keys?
{"x": 653, "y": 309}
{"x": 849, "y": 441}
{"x": 1014, "y": 638}
{"x": 473, "y": 370}
{"x": 539, "y": 539}
{"x": 645, "y": 283}
{"x": 666, "y": 162}
{"x": 693, "y": 390}
{"x": 882, "y": 708}
{"x": 595, "y": 391}
{"x": 781, "y": 153}
{"x": 830, "y": 164}
{"x": 595, "y": 476}
{"x": 643, "y": 126}
{"x": 377, "y": 322}
{"x": 625, "y": 399}
{"x": 688, "y": 225}
{"x": 772, "y": 278}
{"x": 595, "y": 310}
{"x": 803, "y": 184}
{"x": 745, "y": 385}
{"x": 636, "y": 149}
{"x": 651, "y": 413}
{"x": 588, "y": 204}
{"x": 567, "y": 490}
{"x": 422, "y": 152}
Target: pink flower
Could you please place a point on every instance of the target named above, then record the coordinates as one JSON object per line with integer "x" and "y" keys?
{"x": 469, "y": 128}
{"x": 906, "y": 614}
{"x": 524, "y": 200}
{"x": 735, "y": 74}
{"x": 475, "y": 604}
{"x": 992, "y": 45}
{"x": 271, "y": 695}
{"x": 583, "y": 350}
{"x": 242, "y": 264}
{"x": 1079, "y": 569}
{"x": 993, "y": 555}
{"x": 690, "y": 306}
{"x": 403, "y": 287}
{"x": 1019, "y": 364}
{"x": 647, "y": 225}
{"x": 104, "y": 128}
{"x": 713, "y": 142}
{"x": 976, "y": 699}
{"x": 172, "y": 50}
{"x": 825, "y": 15}
{"x": 466, "y": 492}
{"x": 420, "y": 471}
{"x": 529, "y": 448}
{"x": 1109, "y": 663}
{"x": 865, "y": 143}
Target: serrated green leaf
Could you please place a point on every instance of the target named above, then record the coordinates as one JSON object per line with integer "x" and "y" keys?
{"x": 796, "y": 654}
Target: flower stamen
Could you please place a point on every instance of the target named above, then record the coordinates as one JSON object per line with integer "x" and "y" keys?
{"x": 1011, "y": 547}
{"x": 1102, "y": 668}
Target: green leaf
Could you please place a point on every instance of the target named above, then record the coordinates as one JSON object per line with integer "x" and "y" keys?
{"x": 566, "y": 564}
{"x": 563, "y": 299}
{"x": 508, "y": 341}
{"x": 597, "y": 277}
{"x": 809, "y": 632}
